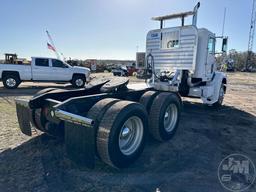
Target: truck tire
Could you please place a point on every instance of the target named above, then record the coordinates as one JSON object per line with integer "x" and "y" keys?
{"x": 121, "y": 134}
{"x": 98, "y": 110}
{"x": 39, "y": 120}
{"x": 147, "y": 99}
{"x": 42, "y": 124}
{"x": 78, "y": 81}
{"x": 221, "y": 97}
{"x": 11, "y": 81}
{"x": 164, "y": 116}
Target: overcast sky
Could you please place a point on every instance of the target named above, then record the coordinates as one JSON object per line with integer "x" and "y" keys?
{"x": 108, "y": 29}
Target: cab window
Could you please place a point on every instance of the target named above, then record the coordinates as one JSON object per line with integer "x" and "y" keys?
{"x": 170, "y": 40}
{"x": 211, "y": 46}
{"x": 173, "y": 44}
{"x": 42, "y": 62}
{"x": 58, "y": 63}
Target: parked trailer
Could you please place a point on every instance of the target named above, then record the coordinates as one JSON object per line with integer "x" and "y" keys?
{"x": 111, "y": 119}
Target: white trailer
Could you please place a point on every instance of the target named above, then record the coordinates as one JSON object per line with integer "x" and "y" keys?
{"x": 111, "y": 120}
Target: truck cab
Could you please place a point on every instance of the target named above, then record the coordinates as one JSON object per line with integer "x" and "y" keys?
{"x": 182, "y": 59}
{"x": 49, "y": 69}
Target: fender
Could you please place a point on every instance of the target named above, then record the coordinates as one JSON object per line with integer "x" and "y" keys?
{"x": 219, "y": 78}
{"x": 5, "y": 73}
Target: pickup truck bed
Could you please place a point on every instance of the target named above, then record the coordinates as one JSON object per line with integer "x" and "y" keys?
{"x": 23, "y": 70}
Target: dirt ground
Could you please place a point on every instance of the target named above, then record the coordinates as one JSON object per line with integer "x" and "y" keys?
{"x": 188, "y": 162}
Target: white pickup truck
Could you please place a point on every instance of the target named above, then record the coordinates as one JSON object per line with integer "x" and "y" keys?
{"x": 43, "y": 70}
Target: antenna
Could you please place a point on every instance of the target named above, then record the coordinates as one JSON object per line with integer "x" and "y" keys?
{"x": 251, "y": 36}
{"x": 52, "y": 43}
{"x": 224, "y": 21}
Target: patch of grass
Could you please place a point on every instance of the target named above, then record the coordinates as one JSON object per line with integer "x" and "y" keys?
{"x": 7, "y": 108}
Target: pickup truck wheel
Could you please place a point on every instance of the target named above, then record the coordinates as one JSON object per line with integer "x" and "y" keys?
{"x": 11, "y": 81}
{"x": 121, "y": 133}
{"x": 164, "y": 116}
{"x": 78, "y": 81}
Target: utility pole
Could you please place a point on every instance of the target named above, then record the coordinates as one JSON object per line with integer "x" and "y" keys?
{"x": 251, "y": 36}
{"x": 137, "y": 48}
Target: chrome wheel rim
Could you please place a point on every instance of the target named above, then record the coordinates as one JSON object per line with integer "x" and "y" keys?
{"x": 131, "y": 135}
{"x": 79, "y": 82}
{"x": 11, "y": 82}
{"x": 170, "y": 117}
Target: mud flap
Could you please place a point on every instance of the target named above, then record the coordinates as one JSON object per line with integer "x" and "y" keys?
{"x": 24, "y": 115}
{"x": 79, "y": 138}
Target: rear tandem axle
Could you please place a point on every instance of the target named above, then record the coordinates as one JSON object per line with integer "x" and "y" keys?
{"x": 111, "y": 124}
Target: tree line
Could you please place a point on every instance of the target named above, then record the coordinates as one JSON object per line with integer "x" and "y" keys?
{"x": 238, "y": 60}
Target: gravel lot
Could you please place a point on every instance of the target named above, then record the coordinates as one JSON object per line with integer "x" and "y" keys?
{"x": 189, "y": 162}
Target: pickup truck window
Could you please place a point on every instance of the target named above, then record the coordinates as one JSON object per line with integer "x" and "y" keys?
{"x": 58, "y": 63}
{"x": 42, "y": 62}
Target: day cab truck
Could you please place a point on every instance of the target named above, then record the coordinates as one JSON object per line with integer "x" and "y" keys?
{"x": 42, "y": 70}
{"x": 111, "y": 120}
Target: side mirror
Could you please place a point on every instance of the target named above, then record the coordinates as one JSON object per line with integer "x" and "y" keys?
{"x": 225, "y": 44}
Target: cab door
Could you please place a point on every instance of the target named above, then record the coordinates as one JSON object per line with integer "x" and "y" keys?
{"x": 211, "y": 60}
{"x": 41, "y": 70}
{"x": 60, "y": 70}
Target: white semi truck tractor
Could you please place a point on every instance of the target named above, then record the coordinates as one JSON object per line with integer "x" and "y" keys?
{"x": 111, "y": 119}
